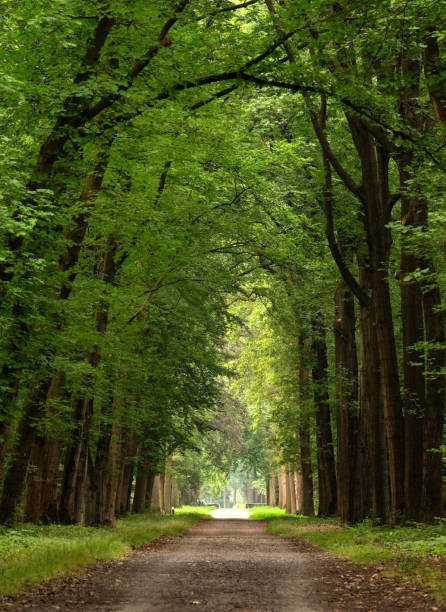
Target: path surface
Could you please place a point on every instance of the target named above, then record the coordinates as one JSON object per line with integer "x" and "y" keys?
{"x": 223, "y": 565}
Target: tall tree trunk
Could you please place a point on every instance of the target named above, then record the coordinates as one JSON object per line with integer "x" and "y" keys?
{"x": 168, "y": 493}
{"x": 304, "y": 432}
{"x": 41, "y": 491}
{"x": 298, "y": 486}
{"x": 128, "y": 457}
{"x": 290, "y": 477}
{"x": 41, "y": 495}
{"x": 413, "y": 215}
{"x": 423, "y": 317}
{"x": 107, "y": 468}
{"x": 149, "y": 489}
{"x": 282, "y": 487}
{"x": 432, "y": 489}
{"x": 373, "y": 467}
{"x": 288, "y": 493}
{"x": 72, "y": 502}
{"x": 325, "y": 450}
{"x": 376, "y": 201}
{"x": 306, "y": 467}
{"x": 155, "y": 503}
{"x": 5, "y": 427}
{"x": 15, "y": 478}
{"x": 414, "y": 398}
{"x": 376, "y": 204}
{"x": 346, "y": 373}
{"x": 142, "y": 480}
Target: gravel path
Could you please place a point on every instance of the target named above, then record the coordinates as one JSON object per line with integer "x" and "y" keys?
{"x": 223, "y": 565}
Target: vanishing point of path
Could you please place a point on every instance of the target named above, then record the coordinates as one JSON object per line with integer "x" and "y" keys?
{"x": 223, "y": 565}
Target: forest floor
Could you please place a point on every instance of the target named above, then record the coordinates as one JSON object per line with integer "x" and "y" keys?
{"x": 222, "y": 565}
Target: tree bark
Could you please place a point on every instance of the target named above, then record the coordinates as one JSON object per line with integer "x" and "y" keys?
{"x": 288, "y": 493}
{"x": 376, "y": 205}
{"x": 72, "y": 502}
{"x": 41, "y": 495}
{"x": 432, "y": 489}
{"x": 106, "y": 469}
{"x": 373, "y": 460}
{"x": 414, "y": 396}
{"x": 423, "y": 318}
{"x": 5, "y": 427}
{"x": 142, "y": 480}
{"x": 149, "y": 489}
{"x": 298, "y": 486}
{"x": 324, "y": 437}
{"x": 304, "y": 433}
{"x": 346, "y": 374}
{"x": 434, "y": 70}
{"x": 15, "y": 478}
{"x": 128, "y": 457}
{"x": 290, "y": 477}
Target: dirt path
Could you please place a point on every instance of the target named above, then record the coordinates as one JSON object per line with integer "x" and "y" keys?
{"x": 223, "y": 565}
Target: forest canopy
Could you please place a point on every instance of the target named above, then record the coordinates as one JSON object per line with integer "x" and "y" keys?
{"x": 222, "y": 251}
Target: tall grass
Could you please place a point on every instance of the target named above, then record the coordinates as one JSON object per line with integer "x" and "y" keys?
{"x": 30, "y": 553}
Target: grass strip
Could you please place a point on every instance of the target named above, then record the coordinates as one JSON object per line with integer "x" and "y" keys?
{"x": 32, "y": 553}
{"x": 414, "y": 554}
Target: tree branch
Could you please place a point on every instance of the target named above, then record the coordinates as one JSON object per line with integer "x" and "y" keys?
{"x": 393, "y": 199}
{"x": 142, "y": 63}
{"x": 225, "y": 9}
{"x": 219, "y": 94}
{"x": 162, "y": 182}
{"x": 345, "y": 176}
{"x": 335, "y": 251}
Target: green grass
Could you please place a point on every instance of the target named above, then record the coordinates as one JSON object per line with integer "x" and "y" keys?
{"x": 266, "y": 512}
{"x": 200, "y": 511}
{"x": 31, "y": 553}
{"x": 414, "y": 554}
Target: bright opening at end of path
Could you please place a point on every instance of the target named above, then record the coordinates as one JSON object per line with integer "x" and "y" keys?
{"x": 230, "y": 513}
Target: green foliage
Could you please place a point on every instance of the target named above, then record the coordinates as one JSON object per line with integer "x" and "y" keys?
{"x": 30, "y": 553}
{"x": 215, "y": 212}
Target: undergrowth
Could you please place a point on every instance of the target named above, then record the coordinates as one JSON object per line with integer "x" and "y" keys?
{"x": 414, "y": 554}
{"x": 31, "y": 553}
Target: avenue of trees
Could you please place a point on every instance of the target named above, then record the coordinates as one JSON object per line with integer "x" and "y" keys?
{"x": 222, "y": 227}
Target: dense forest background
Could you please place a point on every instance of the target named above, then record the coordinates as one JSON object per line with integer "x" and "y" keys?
{"x": 222, "y": 251}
